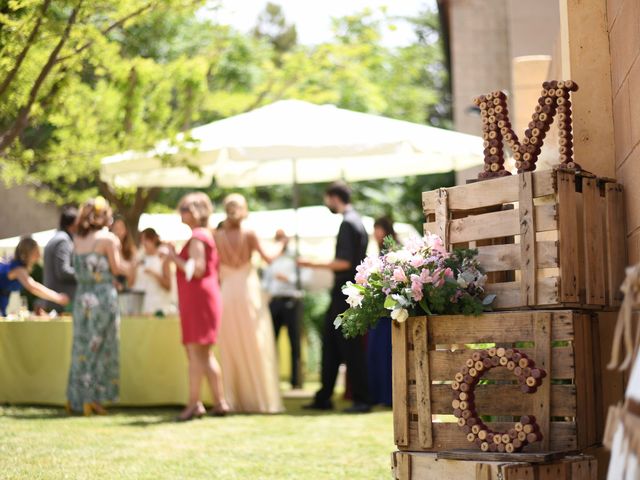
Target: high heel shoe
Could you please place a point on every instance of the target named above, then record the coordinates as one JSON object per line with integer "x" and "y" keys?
{"x": 98, "y": 409}
{"x": 189, "y": 413}
{"x": 220, "y": 410}
{"x": 87, "y": 411}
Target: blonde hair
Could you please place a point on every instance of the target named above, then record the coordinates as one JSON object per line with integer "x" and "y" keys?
{"x": 238, "y": 199}
{"x": 94, "y": 215}
{"x": 200, "y": 206}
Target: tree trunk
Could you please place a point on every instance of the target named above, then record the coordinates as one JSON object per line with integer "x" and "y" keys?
{"x": 129, "y": 106}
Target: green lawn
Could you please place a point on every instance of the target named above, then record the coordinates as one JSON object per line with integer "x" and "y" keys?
{"x": 39, "y": 442}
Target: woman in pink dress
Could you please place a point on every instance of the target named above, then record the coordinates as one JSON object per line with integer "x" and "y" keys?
{"x": 200, "y": 304}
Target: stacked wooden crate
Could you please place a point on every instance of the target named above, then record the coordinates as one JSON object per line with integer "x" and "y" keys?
{"x": 552, "y": 243}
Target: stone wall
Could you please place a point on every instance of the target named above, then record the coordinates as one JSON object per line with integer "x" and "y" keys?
{"x": 623, "y": 19}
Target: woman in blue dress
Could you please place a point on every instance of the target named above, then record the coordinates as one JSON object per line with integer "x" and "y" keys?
{"x": 379, "y": 337}
{"x": 95, "y": 370}
{"x": 15, "y": 276}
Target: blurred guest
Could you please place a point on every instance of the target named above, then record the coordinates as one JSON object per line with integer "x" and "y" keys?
{"x": 379, "y": 336}
{"x": 128, "y": 251}
{"x": 200, "y": 304}
{"x": 15, "y": 276}
{"x": 351, "y": 249}
{"x": 280, "y": 282}
{"x": 247, "y": 344}
{"x": 154, "y": 275}
{"x": 94, "y": 372}
{"x": 58, "y": 259}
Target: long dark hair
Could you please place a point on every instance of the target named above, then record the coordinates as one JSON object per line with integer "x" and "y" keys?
{"x": 386, "y": 224}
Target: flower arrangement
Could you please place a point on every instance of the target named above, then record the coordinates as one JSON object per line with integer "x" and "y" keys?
{"x": 419, "y": 278}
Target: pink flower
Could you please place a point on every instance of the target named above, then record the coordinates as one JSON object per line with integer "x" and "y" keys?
{"x": 416, "y": 287}
{"x": 399, "y": 275}
{"x": 417, "y": 261}
{"x": 448, "y": 273}
{"x": 425, "y": 275}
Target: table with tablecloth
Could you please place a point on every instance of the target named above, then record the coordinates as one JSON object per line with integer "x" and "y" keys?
{"x": 35, "y": 355}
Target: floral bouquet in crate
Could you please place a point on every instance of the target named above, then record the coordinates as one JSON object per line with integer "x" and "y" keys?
{"x": 418, "y": 278}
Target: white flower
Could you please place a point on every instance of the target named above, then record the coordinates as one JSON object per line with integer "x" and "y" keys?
{"x": 354, "y": 295}
{"x": 400, "y": 314}
{"x": 337, "y": 322}
{"x": 89, "y": 301}
{"x": 462, "y": 282}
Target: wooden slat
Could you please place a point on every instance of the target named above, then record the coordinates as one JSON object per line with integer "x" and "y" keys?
{"x": 423, "y": 380}
{"x": 512, "y": 402}
{"x": 442, "y": 216}
{"x": 496, "y": 327}
{"x": 568, "y": 238}
{"x": 493, "y": 192}
{"x": 616, "y": 241}
{"x": 498, "y": 258}
{"x": 448, "y": 436}
{"x": 520, "y": 457}
{"x": 590, "y": 387}
{"x": 402, "y": 465}
{"x": 581, "y": 355}
{"x": 444, "y": 364}
{"x": 555, "y": 471}
{"x": 400, "y": 383}
{"x": 527, "y": 241}
{"x": 518, "y": 472}
{"x": 508, "y": 293}
{"x": 543, "y": 402}
{"x": 593, "y": 238}
{"x": 495, "y": 224}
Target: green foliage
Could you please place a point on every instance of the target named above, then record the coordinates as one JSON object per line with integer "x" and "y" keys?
{"x": 130, "y": 73}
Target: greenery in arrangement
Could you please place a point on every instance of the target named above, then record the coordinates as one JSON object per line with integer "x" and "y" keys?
{"x": 419, "y": 278}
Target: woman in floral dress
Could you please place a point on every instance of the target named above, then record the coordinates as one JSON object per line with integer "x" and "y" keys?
{"x": 94, "y": 373}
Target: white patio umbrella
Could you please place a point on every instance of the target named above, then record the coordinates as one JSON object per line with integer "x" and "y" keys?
{"x": 292, "y": 141}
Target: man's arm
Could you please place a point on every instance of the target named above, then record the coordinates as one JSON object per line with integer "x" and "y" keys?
{"x": 62, "y": 264}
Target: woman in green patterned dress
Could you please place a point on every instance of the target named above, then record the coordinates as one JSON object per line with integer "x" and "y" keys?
{"x": 94, "y": 373}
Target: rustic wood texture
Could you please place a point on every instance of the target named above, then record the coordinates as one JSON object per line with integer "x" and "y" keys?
{"x": 442, "y": 216}
{"x": 423, "y": 382}
{"x": 542, "y": 399}
{"x": 400, "y": 383}
{"x": 528, "y": 261}
{"x": 568, "y": 237}
{"x": 559, "y": 341}
{"x": 616, "y": 257}
{"x": 595, "y": 268}
{"x": 489, "y": 466}
{"x": 485, "y": 194}
{"x": 551, "y": 239}
{"x": 475, "y": 455}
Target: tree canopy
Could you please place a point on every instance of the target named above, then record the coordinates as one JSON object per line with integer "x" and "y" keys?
{"x": 81, "y": 80}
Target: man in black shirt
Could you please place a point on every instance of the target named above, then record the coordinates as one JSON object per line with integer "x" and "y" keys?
{"x": 351, "y": 249}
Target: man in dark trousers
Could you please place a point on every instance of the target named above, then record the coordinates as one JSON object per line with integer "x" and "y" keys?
{"x": 351, "y": 249}
{"x": 59, "y": 274}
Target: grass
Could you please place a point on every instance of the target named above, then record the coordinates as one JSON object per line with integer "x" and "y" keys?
{"x": 45, "y": 443}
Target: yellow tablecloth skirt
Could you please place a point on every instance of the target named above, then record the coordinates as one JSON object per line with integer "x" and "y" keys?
{"x": 35, "y": 357}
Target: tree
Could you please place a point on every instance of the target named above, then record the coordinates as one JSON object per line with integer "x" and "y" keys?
{"x": 75, "y": 88}
{"x": 272, "y": 26}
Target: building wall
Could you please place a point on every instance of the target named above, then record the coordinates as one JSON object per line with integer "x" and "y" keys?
{"x": 20, "y": 214}
{"x": 623, "y": 18}
{"x": 485, "y": 35}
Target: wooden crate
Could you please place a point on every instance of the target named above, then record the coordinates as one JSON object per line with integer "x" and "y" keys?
{"x": 428, "y": 351}
{"x": 551, "y": 238}
{"x": 420, "y": 466}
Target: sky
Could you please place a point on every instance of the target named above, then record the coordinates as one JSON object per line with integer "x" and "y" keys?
{"x": 313, "y": 17}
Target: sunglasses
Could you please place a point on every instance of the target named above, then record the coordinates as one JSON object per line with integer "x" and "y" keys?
{"x": 184, "y": 209}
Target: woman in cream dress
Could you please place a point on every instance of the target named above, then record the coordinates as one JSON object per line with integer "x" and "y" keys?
{"x": 246, "y": 339}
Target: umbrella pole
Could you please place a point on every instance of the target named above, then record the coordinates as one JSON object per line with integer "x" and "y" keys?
{"x": 298, "y": 382}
